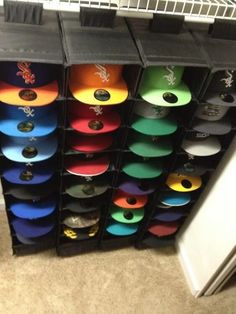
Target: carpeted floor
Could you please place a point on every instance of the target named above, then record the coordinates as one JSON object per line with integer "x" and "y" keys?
{"x": 124, "y": 281}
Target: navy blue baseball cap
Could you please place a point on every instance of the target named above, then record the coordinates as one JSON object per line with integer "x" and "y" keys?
{"x": 32, "y": 228}
{"x": 169, "y": 215}
{"x": 28, "y": 84}
{"x": 25, "y": 121}
{"x": 33, "y": 210}
{"x": 30, "y": 241}
{"x": 28, "y": 173}
{"x": 30, "y": 149}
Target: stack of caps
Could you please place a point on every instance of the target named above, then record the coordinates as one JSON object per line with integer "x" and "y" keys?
{"x": 162, "y": 88}
{"x": 28, "y": 123}
{"x": 93, "y": 118}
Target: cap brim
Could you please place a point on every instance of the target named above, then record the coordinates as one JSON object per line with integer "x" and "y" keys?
{"x": 120, "y": 229}
{"x": 175, "y": 198}
{"x": 208, "y": 147}
{"x": 144, "y": 146}
{"x": 32, "y": 228}
{"x": 31, "y": 241}
{"x": 82, "y": 221}
{"x": 90, "y": 144}
{"x": 155, "y": 96}
{"x": 83, "y": 206}
{"x": 43, "y": 126}
{"x": 143, "y": 170}
{"x": 89, "y": 167}
{"x": 219, "y": 127}
{"x": 121, "y": 199}
{"x": 177, "y": 182}
{"x": 32, "y": 210}
{"x": 154, "y": 127}
{"x": 80, "y": 190}
{"x": 168, "y": 215}
{"x": 45, "y": 95}
{"x": 81, "y": 234}
{"x": 214, "y": 99}
{"x": 195, "y": 170}
{"x": 137, "y": 187}
{"x": 162, "y": 229}
{"x": 45, "y": 148}
{"x": 121, "y": 215}
{"x": 118, "y": 93}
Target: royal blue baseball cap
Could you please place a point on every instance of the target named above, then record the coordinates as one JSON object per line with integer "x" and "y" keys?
{"x": 25, "y": 121}
{"x": 172, "y": 198}
{"x": 29, "y": 173}
{"x": 32, "y": 228}
{"x": 28, "y": 84}
{"x": 30, "y": 149}
{"x": 33, "y": 210}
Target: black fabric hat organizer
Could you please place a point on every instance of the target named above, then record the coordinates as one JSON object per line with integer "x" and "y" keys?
{"x": 127, "y": 203}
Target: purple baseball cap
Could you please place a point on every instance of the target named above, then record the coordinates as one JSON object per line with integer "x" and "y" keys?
{"x": 137, "y": 187}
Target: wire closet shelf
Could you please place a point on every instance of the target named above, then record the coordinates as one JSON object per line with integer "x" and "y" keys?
{"x": 192, "y": 10}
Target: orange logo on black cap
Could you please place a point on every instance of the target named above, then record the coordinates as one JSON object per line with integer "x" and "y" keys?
{"x": 25, "y": 72}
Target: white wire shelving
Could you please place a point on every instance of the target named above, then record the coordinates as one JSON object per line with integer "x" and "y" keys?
{"x": 192, "y": 10}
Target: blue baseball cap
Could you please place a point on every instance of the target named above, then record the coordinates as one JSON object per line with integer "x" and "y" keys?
{"x": 30, "y": 149}
{"x": 33, "y": 210}
{"x": 28, "y": 173}
{"x": 25, "y": 121}
{"x": 31, "y": 241}
{"x": 121, "y": 229}
{"x": 173, "y": 198}
{"x": 32, "y": 228}
{"x": 169, "y": 215}
{"x": 28, "y": 84}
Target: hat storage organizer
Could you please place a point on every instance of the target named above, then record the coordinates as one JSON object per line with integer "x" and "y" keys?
{"x": 101, "y": 80}
{"x": 32, "y": 88}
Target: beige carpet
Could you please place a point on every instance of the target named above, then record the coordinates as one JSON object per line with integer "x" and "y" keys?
{"x": 124, "y": 281}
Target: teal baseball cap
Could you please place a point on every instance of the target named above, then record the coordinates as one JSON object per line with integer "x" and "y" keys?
{"x": 163, "y": 86}
{"x": 152, "y": 120}
{"x": 143, "y": 168}
{"x": 150, "y": 146}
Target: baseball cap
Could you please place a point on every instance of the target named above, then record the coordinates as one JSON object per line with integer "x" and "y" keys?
{"x": 121, "y": 229}
{"x": 162, "y": 86}
{"x": 172, "y": 198}
{"x": 25, "y": 121}
{"x": 149, "y": 146}
{"x": 201, "y": 144}
{"x": 98, "y": 84}
{"x": 29, "y": 192}
{"x": 92, "y": 120}
{"x": 222, "y": 89}
{"x": 137, "y": 187}
{"x": 86, "y": 166}
{"x": 126, "y": 200}
{"x": 125, "y": 215}
{"x": 29, "y": 149}
{"x": 79, "y": 188}
{"x": 30, "y": 241}
{"x": 83, "y": 206}
{"x": 89, "y": 143}
{"x": 33, "y": 209}
{"x": 82, "y": 233}
{"x": 183, "y": 183}
{"x": 28, "y": 173}
{"x": 169, "y": 215}
{"x": 141, "y": 168}
{"x": 210, "y": 112}
{"x": 219, "y": 127}
{"x": 82, "y": 221}
{"x": 152, "y": 120}
{"x": 162, "y": 229}
{"x": 32, "y": 228}
{"x": 28, "y": 84}
{"x": 190, "y": 165}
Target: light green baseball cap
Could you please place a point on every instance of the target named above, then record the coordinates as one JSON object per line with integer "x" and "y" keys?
{"x": 142, "y": 168}
{"x": 150, "y": 146}
{"x": 126, "y": 215}
{"x": 162, "y": 86}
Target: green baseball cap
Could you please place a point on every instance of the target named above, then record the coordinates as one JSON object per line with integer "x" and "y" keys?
{"x": 152, "y": 120}
{"x": 126, "y": 215}
{"x": 150, "y": 146}
{"x": 162, "y": 86}
{"x": 142, "y": 168}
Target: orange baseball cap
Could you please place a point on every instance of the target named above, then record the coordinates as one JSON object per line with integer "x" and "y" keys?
{"x": 28, "y": 84}
{"x": 98, "y": 84}
{"x": 126, "y": 200}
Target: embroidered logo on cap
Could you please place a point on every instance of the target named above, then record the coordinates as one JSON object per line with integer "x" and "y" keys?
{"x": 228, "y": 79}
{"x": 97, "y": 109}
{"x": 171, "y": 76}
{"x": 190, "y": 157}
{"x": 102, "y": 73}
{"x": 159, "y": 111}
{"x": 25, "y": 72}
{"x": 29, "y": 112}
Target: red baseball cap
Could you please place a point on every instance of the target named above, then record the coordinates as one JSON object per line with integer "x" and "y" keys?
{"x": 162, "y": 229}
{"x": 89, "y": 143}
{"x": 90, "y": 119}
{"x": 126, "y": 200}
{"x": 86, "y": 166}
